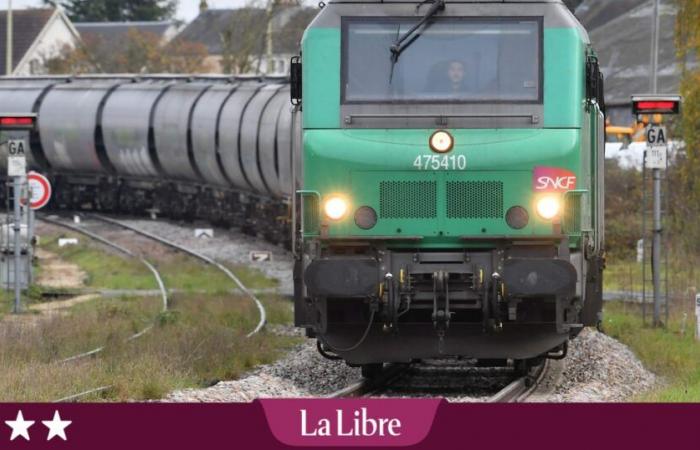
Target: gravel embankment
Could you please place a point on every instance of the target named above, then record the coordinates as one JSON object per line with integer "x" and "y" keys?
{"x": 597, "y": 369}
{"x": 601, "y": 369}
{"x": 302, "y": 373}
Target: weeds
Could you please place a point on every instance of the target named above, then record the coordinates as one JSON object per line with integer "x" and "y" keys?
{"x": 202, "y": 340}
{"x": 671, "y": 352}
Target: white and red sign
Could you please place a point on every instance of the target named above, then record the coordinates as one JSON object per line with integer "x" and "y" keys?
{"x": 40, "y": 189}
{"x": 553, "y": 179}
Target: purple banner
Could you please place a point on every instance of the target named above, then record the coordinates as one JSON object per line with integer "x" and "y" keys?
{"x": 274, "y": 424}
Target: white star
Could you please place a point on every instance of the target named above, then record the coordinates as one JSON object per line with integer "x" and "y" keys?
{"x": 57, "y": 427}
{"x": 20, "y": 427}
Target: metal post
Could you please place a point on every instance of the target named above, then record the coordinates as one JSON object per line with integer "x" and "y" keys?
{"x": 644, "y": 238}
{"x": 656, "y": 250}
{"x": 8, "y": 52}
{"x": 17, "y": 186}
{"x": 30, "y": 238}
{"x": 653, "y": 79}
{"x": 656, "y": 240}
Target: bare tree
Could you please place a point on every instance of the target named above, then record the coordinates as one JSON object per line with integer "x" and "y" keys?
{"x": 243, "y": 39}
{"x": 139, "y": 52}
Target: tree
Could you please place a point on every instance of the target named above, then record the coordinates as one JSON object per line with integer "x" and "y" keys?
{"x": 688, "y": 45}
{"x": 243, "y": 40}
{"x": 623, "y": 195}
{"x": 139, "y": 52}
{"x": 118, "y": 10}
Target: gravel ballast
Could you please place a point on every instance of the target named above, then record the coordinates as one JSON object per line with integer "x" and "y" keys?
{"x": 599, "y": 368}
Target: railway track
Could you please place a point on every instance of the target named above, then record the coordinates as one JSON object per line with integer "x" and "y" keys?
{"x": 123, "y": 250}
{"x": 522, "y": 388}
{"x": 239, "y": 284}
{"x": 95, "y": 351}
{"x": 444, "y": 378}
{"x": 163, "y": 291}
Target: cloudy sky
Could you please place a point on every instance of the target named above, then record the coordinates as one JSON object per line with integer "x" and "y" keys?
{"x": 187, "y": 9}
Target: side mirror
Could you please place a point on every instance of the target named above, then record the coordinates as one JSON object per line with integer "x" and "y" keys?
{"x": 601, "y": 93}
{"x": 592, "y": 78}
{"x": 295, "y": 80}
{"x": 595, "y": 83}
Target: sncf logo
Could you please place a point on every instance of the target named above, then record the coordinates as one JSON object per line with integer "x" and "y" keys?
{"x": 553, "y": 179}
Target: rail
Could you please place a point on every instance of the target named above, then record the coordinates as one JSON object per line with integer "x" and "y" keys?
{"x": 126, "y": 251}
{"x": 261, "y": 308}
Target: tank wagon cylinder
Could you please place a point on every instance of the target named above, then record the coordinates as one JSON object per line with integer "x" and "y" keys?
{"x": 230, "y": 133}
{"x": 69, "y": 117}
{"x": 251, "y": 146}
{"x": 24, "y": 96}
{"x": 288, "y": 131}
{"x": 224, "y": 133}
{"x": 127, "y": 128}
{"x": 171, "y": 125}
{"x": 206, "y": 119}
{"x": 270, "y": 142}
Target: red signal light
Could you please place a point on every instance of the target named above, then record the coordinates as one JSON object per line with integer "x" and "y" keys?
{"x": 648, "y": 104}
{"x": 656, "y": 105}
{"x": 17, "y": 122}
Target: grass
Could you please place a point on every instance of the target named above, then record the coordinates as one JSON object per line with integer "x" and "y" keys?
{"x": 200, "y": 341}
{"x": 108, "y": 269}
{"x": 671, "y": 352}
{"x": 626, "y": 275}
{"x": 105, "y": 268}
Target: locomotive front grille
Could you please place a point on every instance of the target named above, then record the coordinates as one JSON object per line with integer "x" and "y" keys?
{"x": 408, "y": 199}
{"x": 474, "y": 199}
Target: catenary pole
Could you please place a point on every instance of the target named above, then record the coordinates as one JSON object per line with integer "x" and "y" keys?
{"x": 656, "y": 173}
{"x": 8, "y": 42}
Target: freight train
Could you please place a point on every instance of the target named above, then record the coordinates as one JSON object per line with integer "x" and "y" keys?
{"x": 440, "y": 166}
{"x": 452, "y": 194}
{"x": 216, "y": 148}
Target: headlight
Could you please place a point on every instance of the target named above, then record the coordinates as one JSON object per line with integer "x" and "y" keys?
{"x": 335, "y": 208}
{"x": 441, "y": 142}
{"x": 548, "y": 207}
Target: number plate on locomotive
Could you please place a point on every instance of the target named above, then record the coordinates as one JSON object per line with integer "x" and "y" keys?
{"x": 440, "y": 162}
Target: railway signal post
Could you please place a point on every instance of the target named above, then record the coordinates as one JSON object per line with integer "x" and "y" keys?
{"x": 17, "y": 169}
{"x": 37, "y": 196}
{"x": 656, "y": 159}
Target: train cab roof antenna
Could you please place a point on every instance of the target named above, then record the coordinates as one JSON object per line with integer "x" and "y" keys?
{"x": 399, "y": 46}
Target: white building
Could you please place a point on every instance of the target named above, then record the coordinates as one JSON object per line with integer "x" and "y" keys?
{"x": 38, "y": 36}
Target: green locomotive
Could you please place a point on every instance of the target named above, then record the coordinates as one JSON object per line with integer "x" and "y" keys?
{"x": 450, "y": 196}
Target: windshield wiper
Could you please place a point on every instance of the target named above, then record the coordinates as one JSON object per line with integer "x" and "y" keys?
{"x": 399, "y": 46}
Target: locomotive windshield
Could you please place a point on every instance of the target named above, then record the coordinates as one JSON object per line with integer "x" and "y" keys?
{"x": 449, "y": 59}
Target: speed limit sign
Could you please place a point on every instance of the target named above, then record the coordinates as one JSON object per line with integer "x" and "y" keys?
{"x": 40, "y": 188}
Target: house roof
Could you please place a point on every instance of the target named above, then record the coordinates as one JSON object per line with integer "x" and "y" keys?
{"x": 623, "y": 45}
{"x": 289, "y": 24}
{"x": 113, "y": 32}
{"x": 27, "y": 27}
{"x": 596, "y": 13}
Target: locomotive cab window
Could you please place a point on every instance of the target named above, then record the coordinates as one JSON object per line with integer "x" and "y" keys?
{"x": 450, "y": 59}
